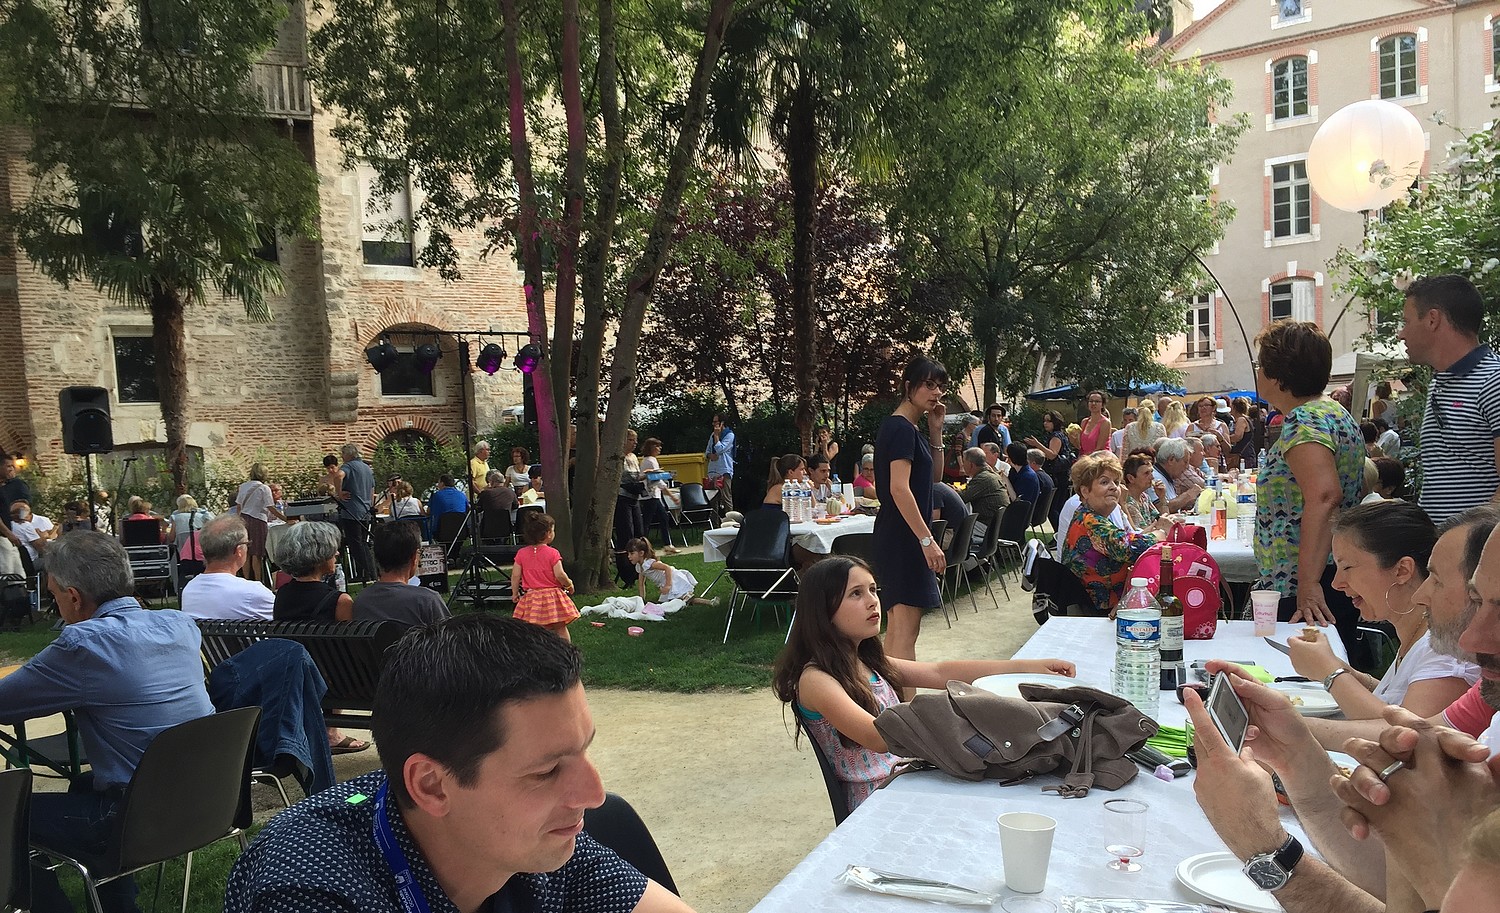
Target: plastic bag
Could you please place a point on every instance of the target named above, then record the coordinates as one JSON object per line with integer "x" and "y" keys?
{"x": 878, "y": 882}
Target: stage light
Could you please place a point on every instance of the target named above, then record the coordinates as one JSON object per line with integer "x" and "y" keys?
{"x": 427, "y": 355}
{"x": 382, "y": 355}
{"x": 528, "y": 358}
{"x": 491, "y": 358}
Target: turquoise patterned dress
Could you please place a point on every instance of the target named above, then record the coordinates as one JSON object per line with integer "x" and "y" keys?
{"x": 1278, "y": 508}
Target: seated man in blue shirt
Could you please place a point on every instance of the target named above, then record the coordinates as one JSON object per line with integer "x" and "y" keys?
{"x": 1023, "y": 479}
{"x": 448, "y": 499}
{"x": 126, "y": 674}
{"x": 483, "y": 732}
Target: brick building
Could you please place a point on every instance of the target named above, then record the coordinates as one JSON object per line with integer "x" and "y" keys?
{"x": 1294, "y": 63}
{"x": 298, "y": 386}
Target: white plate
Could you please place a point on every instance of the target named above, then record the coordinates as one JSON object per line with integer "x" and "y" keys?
{"x": 1315, "y": 700}
{"x": 1008, "y": 685}
{"x": 1218, "y": 877}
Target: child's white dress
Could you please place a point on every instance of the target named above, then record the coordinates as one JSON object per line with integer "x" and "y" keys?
{"x": 684, "y": 585}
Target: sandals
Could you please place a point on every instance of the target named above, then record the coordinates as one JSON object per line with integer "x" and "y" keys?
{"x": 347, "y": 745}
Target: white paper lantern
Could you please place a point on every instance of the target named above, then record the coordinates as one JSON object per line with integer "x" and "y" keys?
{"x": 1366, "y": 155}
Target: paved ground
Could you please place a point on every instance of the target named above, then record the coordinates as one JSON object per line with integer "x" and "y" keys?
{"x": 733, "y": 805}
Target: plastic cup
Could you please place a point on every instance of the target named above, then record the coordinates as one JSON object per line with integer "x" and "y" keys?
{"x": 1263, "y": 605}
{"x": 1025, "y": 848}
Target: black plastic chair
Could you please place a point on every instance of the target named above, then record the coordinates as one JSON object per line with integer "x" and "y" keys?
{"x": 693, "y": 507}
{"x": 495, "y": 526}
{"x": 616, "y": 825}
{"x": 191, "y": 789}
{"x": 760, "y": 564}
{"x": 1063, "y": 589}
{"x": 836, "y": 796}
{"x": 1013, "y": 523}
{"x": 449, "y": 532}
{"x": 982, "y": 556}
{"x": 15, "y": 830}
{"x": 1043, "y": 508}
{"x": 856, "y": 545}
{"x": 953, "y": 571}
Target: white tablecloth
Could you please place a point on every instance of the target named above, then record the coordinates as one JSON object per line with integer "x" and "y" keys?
{"x": 934, "y": 826}
{"x": 815, "y": 537}
{"x": 1236, "y": 559}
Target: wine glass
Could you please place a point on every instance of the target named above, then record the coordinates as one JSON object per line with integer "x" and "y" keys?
{"x": 1125, "y": 829}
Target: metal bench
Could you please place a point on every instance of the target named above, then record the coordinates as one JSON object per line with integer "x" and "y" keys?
{"x": 348, "y": 654}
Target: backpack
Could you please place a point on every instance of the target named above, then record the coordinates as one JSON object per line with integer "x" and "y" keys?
{"x": 1196, "y": 581}
{"x": 967, "y": 732}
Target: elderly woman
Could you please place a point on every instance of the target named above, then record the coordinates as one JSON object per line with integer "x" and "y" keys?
{"x": 1314, "y": 470}
{"x": 257, "y": 505}
{"x": 1381, "y": 552}
{"x": 1206, "y": 421}
{"x": 1139, "y": 478}
{"x": 309, "y": 552}
{"x": 1180, "y": 486}
{"x": 187, "y": 519}
{"x": 864, "y": 480}
{"x": 1097, "y": 549}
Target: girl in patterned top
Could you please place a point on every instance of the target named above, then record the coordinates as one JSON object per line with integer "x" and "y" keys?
{"x": 540, "y": 579}
{"x": 837, "y": 678}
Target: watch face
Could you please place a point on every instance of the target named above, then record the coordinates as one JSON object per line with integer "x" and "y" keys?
{"x": 1266, "y": 874}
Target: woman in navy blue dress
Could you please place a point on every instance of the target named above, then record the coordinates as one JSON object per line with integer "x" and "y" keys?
{"x": 907, "y": 559}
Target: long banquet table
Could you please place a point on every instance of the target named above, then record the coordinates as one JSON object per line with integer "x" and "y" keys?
{"x": 815, "y": 537}
{"x": 931, "y": 825}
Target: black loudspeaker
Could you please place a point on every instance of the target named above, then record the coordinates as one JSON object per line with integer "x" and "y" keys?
{"x": 528, "y": 401}
{"x": 85, "y": 420}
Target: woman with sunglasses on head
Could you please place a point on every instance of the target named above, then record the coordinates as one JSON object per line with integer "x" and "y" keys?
{"x": 908, "y": 555}
{"x": 1094, "y": 432}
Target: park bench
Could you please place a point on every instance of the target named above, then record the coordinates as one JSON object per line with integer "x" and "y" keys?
{"x": 349, "y": 655}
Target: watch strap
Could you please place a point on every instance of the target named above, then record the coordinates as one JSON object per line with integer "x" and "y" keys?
{"x": 1328, "y": 682}
{"x": 925, "y": 541}
{"x": 1288, "y": 854}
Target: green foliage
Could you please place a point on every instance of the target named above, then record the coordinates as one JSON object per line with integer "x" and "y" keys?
{"x": 1054, "y": 184}
{"x": 682, "y": 421}
{"x": 503, "y": 438}
{"x": 420, "y": 464}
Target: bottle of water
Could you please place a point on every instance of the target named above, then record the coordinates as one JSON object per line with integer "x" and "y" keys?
{"x": 1260, "y": 461}
{"x": 799, "y": 491}
{"x": 1138, "y": 647}
{"x": 786, "y": 500}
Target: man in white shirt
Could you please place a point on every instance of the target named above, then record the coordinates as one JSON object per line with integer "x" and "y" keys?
{"x": 1389, "y": 441}
{"x": 218, "y": 592}
{"x": 34, "y": 530}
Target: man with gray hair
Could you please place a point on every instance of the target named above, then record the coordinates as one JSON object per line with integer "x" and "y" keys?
{"x": 126, "y": 674}
{"x": 357, "y": 497}
{"x": 1171, "y": 469}
{"x": 219, "y": 592}
{"x": 986, "y": 492}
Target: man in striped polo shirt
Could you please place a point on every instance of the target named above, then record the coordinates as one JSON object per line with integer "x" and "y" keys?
{"x": 1461, "y": 424}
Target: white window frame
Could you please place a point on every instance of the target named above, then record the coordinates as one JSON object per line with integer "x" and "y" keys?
{"x": 375, "y": 220}
{"x": 1420, "y": 93}
{"x": 1491, "y": 84}
{"x": 1289, "y": 63}
{"x": 1299, "y": 297}
{"x": 1200, "y": 328}
{"x": 1278, "y": 21}
{"x": 1298, "y": 193}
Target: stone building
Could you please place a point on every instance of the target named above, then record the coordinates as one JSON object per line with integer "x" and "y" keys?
{"x": 293, "y": 388}
{"x": 1294, "y": 63}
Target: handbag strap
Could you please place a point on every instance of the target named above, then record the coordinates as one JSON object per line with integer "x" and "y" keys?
{"x": 1080, "y": 779}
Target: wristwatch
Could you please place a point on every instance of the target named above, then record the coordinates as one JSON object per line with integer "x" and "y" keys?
{"x": 1271, "y": 871}
{"x": 1328, "y": 682}
{"x": 925, "y": 541}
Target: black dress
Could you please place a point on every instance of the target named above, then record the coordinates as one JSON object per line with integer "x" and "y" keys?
{"x": 900, "y": 567}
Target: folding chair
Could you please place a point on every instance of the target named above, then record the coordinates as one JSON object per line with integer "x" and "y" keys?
{"x": 15, "y": 830}
{"x": 836, "y": 796}
{"x": 760, "y": 564}
{"x": 694, "y": 507}
{"x": 1013, "y": 523}
{"x": 450, "y": 532}
{"x": 1043, "y": 508}
{"x": 982, "y": 556}
{"x": 954, "y": 555}
{"x": 856, "y": 545}
{"x": 191, "y": 789}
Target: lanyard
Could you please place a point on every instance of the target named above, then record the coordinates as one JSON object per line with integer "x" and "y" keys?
{"x": 412, "y": 899}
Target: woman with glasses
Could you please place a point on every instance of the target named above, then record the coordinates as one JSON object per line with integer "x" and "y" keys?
{"x": 904, "y": 549}
{"x": 1094, "y": 432}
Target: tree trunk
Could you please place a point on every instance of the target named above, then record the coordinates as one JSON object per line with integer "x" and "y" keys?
{"x": 802, "y": 165}
{"x": 991, "y": 371}
{"x": 643, "y": 276}
{"x": 528, "y": 241}
{"x": 170, "y": 346}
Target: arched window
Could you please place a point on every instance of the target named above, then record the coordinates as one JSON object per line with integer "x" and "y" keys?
{"x": 1289, "y": 88}
{"x": 1398, "y": 66}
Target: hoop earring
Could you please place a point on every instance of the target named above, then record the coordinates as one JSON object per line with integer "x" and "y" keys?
{"x": 1409, "y": 610}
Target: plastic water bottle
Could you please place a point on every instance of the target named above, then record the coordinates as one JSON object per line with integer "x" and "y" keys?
{"x": 1138, "y": 647}
{"x": 800, "y": 493}
{"x": 787, "y": 505}
{"x": 1260, "y": 461}
{"x": 809, "y": 502}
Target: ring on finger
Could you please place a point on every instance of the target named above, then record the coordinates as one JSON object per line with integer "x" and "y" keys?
{"x": 1390, "y": 769}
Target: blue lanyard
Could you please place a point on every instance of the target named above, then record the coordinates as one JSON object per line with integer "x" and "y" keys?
{"x": 412, "y": 898}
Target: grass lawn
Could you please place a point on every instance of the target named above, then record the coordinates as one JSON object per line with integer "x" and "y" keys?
{"x": 683, "y": 653}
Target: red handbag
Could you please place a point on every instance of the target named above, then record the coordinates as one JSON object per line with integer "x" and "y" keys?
{"x": 1191, "y": 533}
{"x": 1196, "y": 581}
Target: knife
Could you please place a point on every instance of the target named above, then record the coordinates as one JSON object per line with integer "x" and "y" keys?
{"x": 1278, "y": 647}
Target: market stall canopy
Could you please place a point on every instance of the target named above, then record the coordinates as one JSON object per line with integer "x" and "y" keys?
{"x": 1134, "y": 388}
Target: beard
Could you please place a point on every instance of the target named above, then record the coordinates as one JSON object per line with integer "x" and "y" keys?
{"x": 1444, "y": 635}
{"x": 1488, "y": 688}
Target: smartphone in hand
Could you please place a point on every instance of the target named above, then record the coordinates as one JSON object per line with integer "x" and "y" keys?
{"x": 1227, "y": 712}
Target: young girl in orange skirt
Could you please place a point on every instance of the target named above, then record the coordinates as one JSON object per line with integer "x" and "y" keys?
{"x": 540, "y": 579}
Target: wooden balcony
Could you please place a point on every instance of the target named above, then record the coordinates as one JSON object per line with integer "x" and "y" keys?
{"x": 282, "y": 88}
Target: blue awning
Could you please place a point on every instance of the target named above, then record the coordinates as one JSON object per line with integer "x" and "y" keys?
{"x": 1134, "y": 388}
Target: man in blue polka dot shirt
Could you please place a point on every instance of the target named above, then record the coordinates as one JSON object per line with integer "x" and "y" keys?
{"x": 483, "y": 732}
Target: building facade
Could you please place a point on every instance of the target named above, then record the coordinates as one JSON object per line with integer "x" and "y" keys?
{"x": 300, "y": 385}
{"x": 1293, "y": 63}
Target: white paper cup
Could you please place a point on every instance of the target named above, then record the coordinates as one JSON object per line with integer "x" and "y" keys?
{"x": 1025, "y": 848}
{"x": 1263, "y": 605}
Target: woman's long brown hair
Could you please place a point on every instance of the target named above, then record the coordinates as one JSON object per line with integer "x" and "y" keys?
{"x": 815, "y": 642}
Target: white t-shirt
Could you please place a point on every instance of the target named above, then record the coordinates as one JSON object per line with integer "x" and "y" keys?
{"x": 225, "y": 596}
{"x": 1389, "y": 443}
{"x": 30, "y": 531}
{"x": 1117, "y": 439}
{"x": 518, "y": 478}
{"x": 254, "y": 500}
{"x": 408, "y": 506}
{"x": 1065, "y": 519}
{"x": 1422, "y": 663}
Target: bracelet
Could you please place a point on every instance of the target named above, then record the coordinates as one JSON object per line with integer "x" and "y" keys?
{"x": 1328, "y": 682}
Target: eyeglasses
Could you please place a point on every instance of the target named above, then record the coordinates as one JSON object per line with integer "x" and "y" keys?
{"x": 935, "y": 384}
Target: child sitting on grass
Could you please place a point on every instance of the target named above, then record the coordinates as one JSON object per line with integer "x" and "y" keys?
{"x": 540, "y": 579}
{"x": 671, "y": 582}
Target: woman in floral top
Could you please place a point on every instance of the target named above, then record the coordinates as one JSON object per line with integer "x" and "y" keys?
{"x": 1312, "y": 471}
{"x": 1139, "y": 479}
{"x": 1096, "y": 549}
